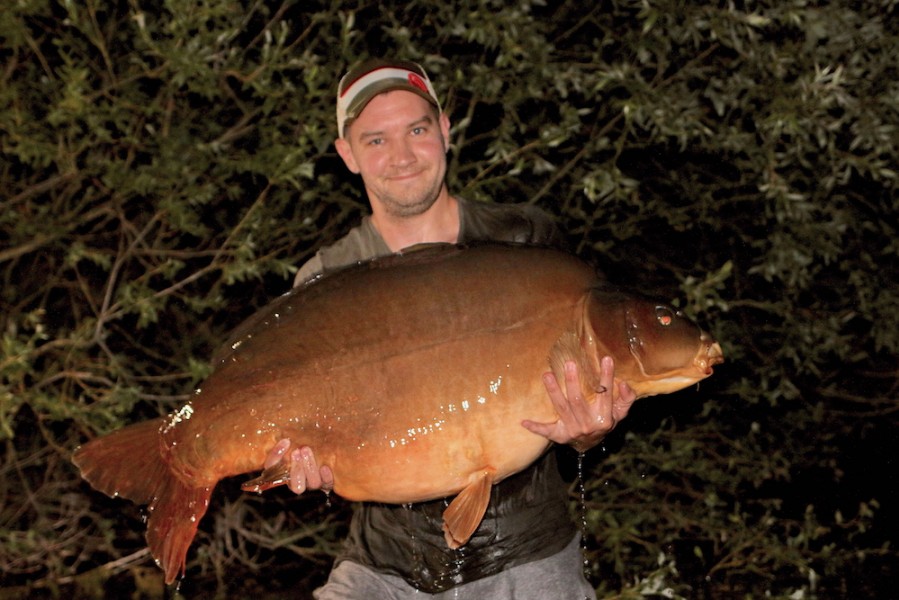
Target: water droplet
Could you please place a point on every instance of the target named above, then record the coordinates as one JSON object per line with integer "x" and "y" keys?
{"x": 583, "y": 506}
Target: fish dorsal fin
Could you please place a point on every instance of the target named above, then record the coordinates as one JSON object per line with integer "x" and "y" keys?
{"x": 465, "y": 512}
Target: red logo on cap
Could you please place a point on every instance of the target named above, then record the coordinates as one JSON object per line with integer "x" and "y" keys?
{"x": 417, "y": 82}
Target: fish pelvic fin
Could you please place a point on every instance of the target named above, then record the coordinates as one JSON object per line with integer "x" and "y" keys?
{"x": 128, "y": 463}
{"x": 273, "y": 476}
{"x": 462, "y": 517}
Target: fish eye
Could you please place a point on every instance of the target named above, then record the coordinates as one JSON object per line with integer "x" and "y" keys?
{"x": 664, "y": 315}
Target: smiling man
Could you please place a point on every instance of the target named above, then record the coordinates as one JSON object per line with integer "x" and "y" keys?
{"x": 393, "y": 133}
{"x": 399, "y": 142}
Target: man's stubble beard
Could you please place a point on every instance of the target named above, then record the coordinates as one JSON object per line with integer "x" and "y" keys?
{"x": 403, "y": 208}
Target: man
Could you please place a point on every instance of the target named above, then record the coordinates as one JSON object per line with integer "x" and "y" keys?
{"x": 394, "y": 134}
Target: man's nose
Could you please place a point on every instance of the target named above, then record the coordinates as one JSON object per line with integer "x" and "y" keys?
{"x": 403, "y": 153}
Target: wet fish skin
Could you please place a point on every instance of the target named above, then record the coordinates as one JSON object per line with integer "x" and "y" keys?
{"x": 409, "y": 376}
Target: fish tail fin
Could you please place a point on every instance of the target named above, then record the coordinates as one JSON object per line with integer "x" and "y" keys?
{"x": 174, "y": 517}
{"x": 128, "y": 463}
{"x": 125, "y": 463}
{"x": 462, "y": 517}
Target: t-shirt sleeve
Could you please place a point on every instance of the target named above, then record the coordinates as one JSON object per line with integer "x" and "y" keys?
{"x": 310, "y": 269}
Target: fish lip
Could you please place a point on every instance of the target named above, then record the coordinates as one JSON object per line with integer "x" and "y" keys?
{"x": 709, "y": 356}
{"x": 714, "y": 356}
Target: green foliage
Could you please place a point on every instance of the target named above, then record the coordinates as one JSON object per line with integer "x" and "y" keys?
{"x": 165, "y": 166}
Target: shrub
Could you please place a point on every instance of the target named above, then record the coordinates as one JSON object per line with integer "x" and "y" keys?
{"x": 165, "y": 168}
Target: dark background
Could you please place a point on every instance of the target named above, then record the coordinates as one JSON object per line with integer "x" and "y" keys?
{"x": 166, "y": 166}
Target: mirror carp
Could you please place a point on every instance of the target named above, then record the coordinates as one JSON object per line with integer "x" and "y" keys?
{"x": 408, "y": 375}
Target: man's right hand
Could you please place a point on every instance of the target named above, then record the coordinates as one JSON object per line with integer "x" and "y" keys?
{"x": 305, "y": 473}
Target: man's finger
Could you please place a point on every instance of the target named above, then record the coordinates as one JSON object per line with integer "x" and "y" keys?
{"x": 274, "y": 455}
{"x": 297, "y": 472}
{"x": 310, "y": 468}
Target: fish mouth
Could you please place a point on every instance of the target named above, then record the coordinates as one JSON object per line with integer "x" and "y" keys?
{"x": 709, "y": 355}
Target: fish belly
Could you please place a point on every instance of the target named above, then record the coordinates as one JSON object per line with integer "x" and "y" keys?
{"x": 406, "y": 381}
{"x": 433, "y": 432}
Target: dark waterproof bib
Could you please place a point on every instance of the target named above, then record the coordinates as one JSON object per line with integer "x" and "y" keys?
{"x": 527, "y": 518}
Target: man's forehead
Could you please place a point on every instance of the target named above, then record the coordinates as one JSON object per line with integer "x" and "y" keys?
{"x": 395, "y": 108}
{"x": 376, "y": 130}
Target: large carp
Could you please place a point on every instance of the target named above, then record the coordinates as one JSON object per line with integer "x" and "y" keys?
{"x": 409, "y": 376}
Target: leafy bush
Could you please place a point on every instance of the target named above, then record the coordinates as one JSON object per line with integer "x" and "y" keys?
{"x": 166, "y": 167}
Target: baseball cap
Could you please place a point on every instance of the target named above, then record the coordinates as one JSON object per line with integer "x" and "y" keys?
{"x": 376, "y": 76}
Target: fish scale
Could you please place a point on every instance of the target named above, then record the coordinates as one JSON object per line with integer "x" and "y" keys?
{"x": 409, "y": 376}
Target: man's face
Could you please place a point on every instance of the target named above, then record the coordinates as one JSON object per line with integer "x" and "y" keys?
{"x": 398, "y": 145}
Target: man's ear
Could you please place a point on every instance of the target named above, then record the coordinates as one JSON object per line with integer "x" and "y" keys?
{"x": 346, "y": 153}
{"x": 445, "y": 130}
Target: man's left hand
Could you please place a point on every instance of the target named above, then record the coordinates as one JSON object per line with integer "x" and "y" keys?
{"x": 583, "y": 423}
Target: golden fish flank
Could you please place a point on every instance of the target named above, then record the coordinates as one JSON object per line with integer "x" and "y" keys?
{"x": 438, "y": 383}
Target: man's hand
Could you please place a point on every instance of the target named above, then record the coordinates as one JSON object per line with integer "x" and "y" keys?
{"x": 305, "y": 473}
{"x": 582, "y": 424}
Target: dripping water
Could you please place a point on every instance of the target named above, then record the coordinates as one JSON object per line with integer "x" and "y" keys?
{"x": 458, "y": 562}
{"x": 174, "y": 590}
{"x": 582, "y": 496}
{"x": 412, "y": 541}
{"x": 455, "y": 573}
{"x": 421, "y": 569}
{"x": 451, "y": 571}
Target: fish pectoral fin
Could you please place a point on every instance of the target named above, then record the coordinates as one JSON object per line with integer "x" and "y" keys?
{"x": 569, "y": 347}
{"x": 465, "y": 512}
{"x": 275, "y": 475}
